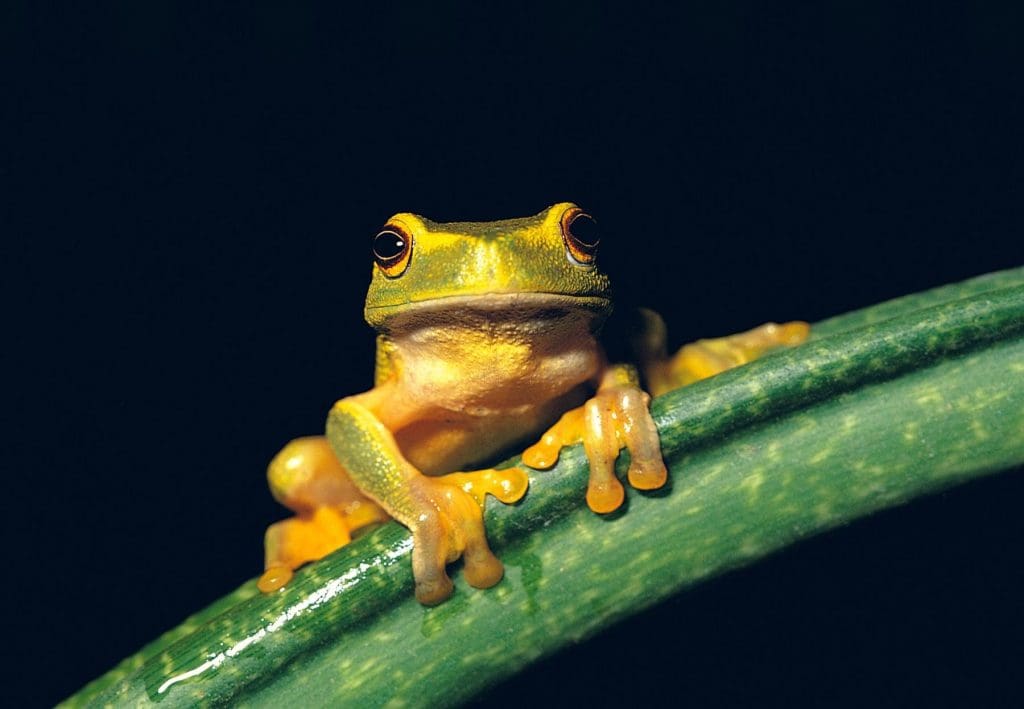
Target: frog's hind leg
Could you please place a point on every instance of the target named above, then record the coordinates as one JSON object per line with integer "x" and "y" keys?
{"x": 704, "y": 358}
{"x": 307, "y": 478}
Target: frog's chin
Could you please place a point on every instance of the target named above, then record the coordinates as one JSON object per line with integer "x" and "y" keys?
{"x": 489, "y": 306}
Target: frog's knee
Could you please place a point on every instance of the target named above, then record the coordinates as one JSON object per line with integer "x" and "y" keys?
{"x": 305, "y": 474}
{"x": 293, "y": 467}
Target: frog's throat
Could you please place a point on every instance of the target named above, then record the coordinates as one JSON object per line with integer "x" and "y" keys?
{"x": 513, "y": 305}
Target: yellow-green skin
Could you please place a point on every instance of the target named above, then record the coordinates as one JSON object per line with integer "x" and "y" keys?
{"x": 526, "y": 255}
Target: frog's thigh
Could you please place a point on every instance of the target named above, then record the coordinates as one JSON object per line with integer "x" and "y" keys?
{"x": 306, "y": 477}
{"x": 705, "y": 358}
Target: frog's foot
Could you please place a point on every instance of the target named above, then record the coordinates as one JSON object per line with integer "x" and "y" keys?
{"x": 617, "y": 417}
{"x": 704, "y": 358}
{"x": 299, "y": 540}
{"x": 447, "y": 522}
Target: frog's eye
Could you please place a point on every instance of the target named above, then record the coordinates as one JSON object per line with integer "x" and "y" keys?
{"x": 392, "y": 248}
{"x": 579, "y": 232}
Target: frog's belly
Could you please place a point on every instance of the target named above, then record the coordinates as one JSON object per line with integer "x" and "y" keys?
{"x": 476, "y": 383}
{"x": 460, "y": 441}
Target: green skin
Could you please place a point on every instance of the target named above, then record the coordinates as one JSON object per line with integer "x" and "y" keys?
{"x": 884, "y": 404}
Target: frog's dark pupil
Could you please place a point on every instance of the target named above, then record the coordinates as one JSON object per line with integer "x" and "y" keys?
{"x": 388, "y": 246}
{"x": 584, "y": 229}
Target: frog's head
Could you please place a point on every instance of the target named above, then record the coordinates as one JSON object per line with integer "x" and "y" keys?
{"x": 426, "y": 269}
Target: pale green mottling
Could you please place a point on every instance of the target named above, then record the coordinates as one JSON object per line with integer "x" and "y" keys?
{"x": 821, "y": 456}
{"x": 980, "y": 432}
{"x": 911, "y": 431}
{"x": 585, "y": 582}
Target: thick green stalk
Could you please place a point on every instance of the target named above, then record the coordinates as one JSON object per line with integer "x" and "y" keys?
{"x": 882, "y": 405}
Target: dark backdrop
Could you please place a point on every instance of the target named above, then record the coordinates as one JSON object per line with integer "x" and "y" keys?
{"x": 191, "y": 195}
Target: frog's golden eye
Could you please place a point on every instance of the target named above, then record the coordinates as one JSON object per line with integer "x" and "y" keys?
{"x": 579, "y": 232}
{"x": 392, "y": 248}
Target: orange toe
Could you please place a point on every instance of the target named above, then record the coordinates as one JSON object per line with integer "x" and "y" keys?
{"x": 274, "y": 578}
{"x": 605, "y": 496}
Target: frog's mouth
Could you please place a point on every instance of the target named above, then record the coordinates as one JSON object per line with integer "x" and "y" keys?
{"x": 490, "y": 307}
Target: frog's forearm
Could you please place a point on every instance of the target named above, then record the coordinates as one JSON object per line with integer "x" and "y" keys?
{"x": 368, "y": 451}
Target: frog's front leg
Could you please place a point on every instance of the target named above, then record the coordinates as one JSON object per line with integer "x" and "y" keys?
{"x": 442, "y": 513}
{"x": 617, "y": 416}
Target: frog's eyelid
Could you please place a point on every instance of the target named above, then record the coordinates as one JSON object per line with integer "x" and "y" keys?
{"x": 589, "y": 266}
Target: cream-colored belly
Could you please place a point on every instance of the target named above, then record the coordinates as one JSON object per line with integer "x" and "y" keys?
{"x": 471, "y": 392}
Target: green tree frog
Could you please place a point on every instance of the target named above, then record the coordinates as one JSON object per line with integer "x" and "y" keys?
{"x": 487, "y": 336}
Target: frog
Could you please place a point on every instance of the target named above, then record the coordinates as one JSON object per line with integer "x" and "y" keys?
{"x": 488, "y": 338}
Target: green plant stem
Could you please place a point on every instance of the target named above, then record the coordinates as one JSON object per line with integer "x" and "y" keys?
{"x": 883, "y": 404}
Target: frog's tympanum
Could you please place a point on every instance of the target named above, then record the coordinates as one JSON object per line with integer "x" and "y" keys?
{"x": 487, "y": 336}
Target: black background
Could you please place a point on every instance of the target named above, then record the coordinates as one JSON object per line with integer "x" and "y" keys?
{"x": 191, "y": 194}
